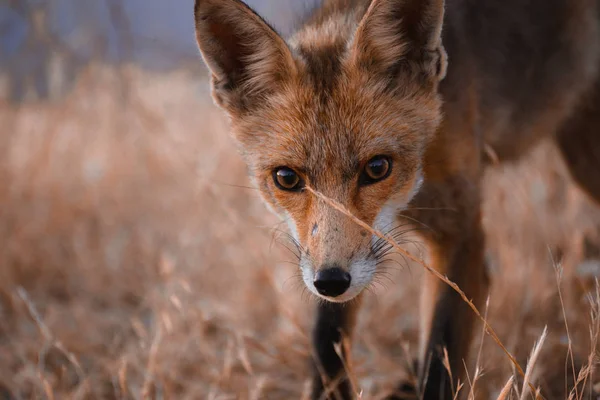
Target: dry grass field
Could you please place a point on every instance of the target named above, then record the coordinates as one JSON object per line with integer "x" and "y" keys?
{"x": 136, "y": 262}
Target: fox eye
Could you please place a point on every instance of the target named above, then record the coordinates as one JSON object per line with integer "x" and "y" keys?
{"x": 377, "y": 169}
{"x": 287, "y": 179}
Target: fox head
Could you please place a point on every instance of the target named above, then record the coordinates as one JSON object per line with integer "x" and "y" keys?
{"x": 346, "y": 107}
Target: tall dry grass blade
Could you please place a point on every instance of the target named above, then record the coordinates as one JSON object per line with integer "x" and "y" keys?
{"x": 123, "y": 387}
{"x": 257, "y": 392}
{"x": 151, "y": 365}
{"x": 227, "y": 360}
{"x": 51, "y": 341}
{"x": 459, "y": 387}
{"x": 531, "y": 365}
{"x": 339, "y": 207}
{"x": 47, "y": 388}
{"x": 446, "y": 363}
{"x": 559, "y": 274}
{"x": 243, "y": 355}
{"x": 344, "y": 348}
{"x": 505, "y": 392}
{"x": 329, "y": 385}
{"x": 478, "y": 370}
{"x": 587, "y": 371}
{"x": 306, "y": 390}
{"x": 471, "y": 396}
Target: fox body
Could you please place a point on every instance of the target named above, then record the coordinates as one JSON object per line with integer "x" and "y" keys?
{"x": 387, "y": 107}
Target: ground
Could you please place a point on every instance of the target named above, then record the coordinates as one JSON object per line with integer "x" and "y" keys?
{"x": 138, "y": 262}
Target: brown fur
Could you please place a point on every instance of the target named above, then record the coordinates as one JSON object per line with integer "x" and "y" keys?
{"x": 361, "y": 79}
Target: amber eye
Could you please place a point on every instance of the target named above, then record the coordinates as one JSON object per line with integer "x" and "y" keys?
{"x": 378, "y": 168}
{"x": 287, "y": 179}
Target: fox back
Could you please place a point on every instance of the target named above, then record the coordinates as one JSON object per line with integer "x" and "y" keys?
{"x": 391, "y": 108}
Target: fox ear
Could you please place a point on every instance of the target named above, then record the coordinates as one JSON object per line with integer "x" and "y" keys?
{"x": 246, "y": 57}
{"x": 393, "y": 32}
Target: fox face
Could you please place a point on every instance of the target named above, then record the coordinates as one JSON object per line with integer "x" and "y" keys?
{"x": 346, "y": 107}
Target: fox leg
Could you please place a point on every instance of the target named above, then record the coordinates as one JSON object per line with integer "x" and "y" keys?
{"x": 334, "y": 321}
{"x": 451, "y": 211}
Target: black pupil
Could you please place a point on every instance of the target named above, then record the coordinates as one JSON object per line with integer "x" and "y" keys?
{"x": 377, "y": 167}
{"x": 287, "y": 177}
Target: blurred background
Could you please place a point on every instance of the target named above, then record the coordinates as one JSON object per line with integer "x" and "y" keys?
{"x": 137, "y": 262}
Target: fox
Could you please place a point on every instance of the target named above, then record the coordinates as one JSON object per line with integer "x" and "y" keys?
{"x": 394, "y": 109}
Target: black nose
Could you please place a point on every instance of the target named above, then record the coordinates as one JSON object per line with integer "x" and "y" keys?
{"x": 332, "y": 282}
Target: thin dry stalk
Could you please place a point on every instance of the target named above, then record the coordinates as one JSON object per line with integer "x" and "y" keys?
{"x": 227, "y": 361}
{"x": 259, "y": 388}
{"x": 51, "y": 341}
{"x": 531, "y": 365}
{"x": 340, "y": 348}
{"x": 587, "y": 371}
{"x": 478, "y": 370}
{"x": 446, "y": 363}
{"x": 458, "y": 389}
{"x": 505, "y": 392}
{"x": 47, "y": 388}
{"x": 414, "y": 376}
{"x": 123, "y": 387}
{"x": 151, "y": 366}
{"x": 339, "y": 207}
{"x": 471, "y": 396}
{"x": 329, "y": 386}
{"x": 306, "y": 391}
{"x": 243, "y": 355}
{"x": 558, "y": 272}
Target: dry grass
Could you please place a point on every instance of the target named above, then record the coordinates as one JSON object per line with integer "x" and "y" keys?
{"x": 137, "y": 263}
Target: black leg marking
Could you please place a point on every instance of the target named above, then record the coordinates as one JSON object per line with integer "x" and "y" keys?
{"x": 332, "y": 319}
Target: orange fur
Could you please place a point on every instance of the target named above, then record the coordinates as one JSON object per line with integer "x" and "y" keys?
{"x": 361, "y": 79}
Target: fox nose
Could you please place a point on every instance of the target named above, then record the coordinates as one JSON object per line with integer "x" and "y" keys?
{"x": 332, "y": 282}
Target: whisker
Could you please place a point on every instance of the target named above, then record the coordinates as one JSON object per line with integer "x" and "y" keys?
{"x": 233, "y": 185}
{"x": 408, "y": 230}
{"x": 295, "y": 264}
{"x": 382, "y": 246}
{"x": 305, "y": 296}
{"x": 295, "y": 281}
{"x": 421, "y": 247}
{"x": 385, "y": 276}
{"x": 377, "y": 283}
{"x": 431, "y": 209}
{"x": 294, "y": 253}
{"x": 386, "y": 263}
{"x": 417, "y": 221}
{"x": 370, "y": 290}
